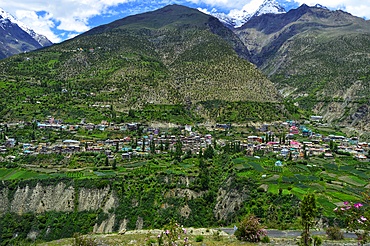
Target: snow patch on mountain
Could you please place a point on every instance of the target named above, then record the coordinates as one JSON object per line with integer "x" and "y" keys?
{"x": 321, "y": 6}
{"x": 269, "y": 7}
{"x": 237, "y": 18}
{"x": 5, "y": 17}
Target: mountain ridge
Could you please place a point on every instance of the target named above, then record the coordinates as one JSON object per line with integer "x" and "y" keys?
{"x": 171, "y": 56}
{"x": 17, "y": 37}
{"x": 317, "y": 58}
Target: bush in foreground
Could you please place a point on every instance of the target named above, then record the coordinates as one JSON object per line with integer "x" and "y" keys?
{"x": 250, "y": 230}
{"x": 334, "y": 233}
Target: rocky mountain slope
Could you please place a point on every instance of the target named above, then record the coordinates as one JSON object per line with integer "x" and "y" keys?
{"x": 174, "y": 55}
{"x": 16, "y": 37}
{"x": 319, "y": 58}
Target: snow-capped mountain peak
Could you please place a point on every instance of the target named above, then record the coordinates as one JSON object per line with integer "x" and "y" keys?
{"x": 269, "y": 7}
{"x": 237, "y": 18}
{"x": 41, "y": 39}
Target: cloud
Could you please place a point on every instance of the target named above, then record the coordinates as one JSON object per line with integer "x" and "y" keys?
{"x": 40, "y": 23}
{"x": 250, "y": 7}
{"x": 52, "y": 18}
{"x": 59, "y": 15}
{"x": 226, "y": 4}
{"x": 360, "y": 8}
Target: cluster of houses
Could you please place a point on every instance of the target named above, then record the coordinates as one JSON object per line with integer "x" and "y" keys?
{"x": 313, "y": 144}
{"x": 127, "y": 147}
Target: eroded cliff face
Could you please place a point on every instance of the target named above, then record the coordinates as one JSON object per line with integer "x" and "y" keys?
{"x": 41, "y": 199}
{"x": 4, "y": 201}
{"x": 60, "y": 198}
{"x": 118, "y": 207}
{"x": 229, "y": 200}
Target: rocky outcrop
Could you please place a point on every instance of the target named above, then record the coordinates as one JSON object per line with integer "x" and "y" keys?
{"x": 4, "y": 201}
{"x": 106, "y": 226}
{"x": 123, "y": 226}
{"x": 41, "y": 199}
{"x": 229, "y": 200}
{"x": 185, "y": 211}
{"x": 92, "y": 199}
{"x": 139, "y": 223}
{"x": 59, "y": 197}
{"x": 190, "y": 194}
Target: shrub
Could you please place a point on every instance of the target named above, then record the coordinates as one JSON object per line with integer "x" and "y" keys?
{"x": 172, "y": 235}
{"x": 265, "y": 239}
{"x": 334, "y": 233}
{"x": 356, "y": 217}
{"x": 250, "y": 229}
{"x": 199, "y": 238}
{"x": 217, "y": 235}
{"x": 80, "y": 240}
{"x": 317, "y": 241}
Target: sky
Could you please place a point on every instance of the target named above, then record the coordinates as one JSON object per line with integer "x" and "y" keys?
{"x": 59, "y": 20}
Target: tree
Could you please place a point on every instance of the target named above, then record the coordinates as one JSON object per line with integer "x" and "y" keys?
{"x": 309, "y": 211}
{"x": 134, "y": 144}
{"x": 203, "y": 174}
{"x": 214, "y": 143}
{"x": 143, "y": 146}
{"x": 209, "y": 152}
{"x": 131, "y": 113}
{"x": 161, "y": 147}
{"x": 178, "y": 150}
{"x": 152, "y": 147}
{"x": 117, "y": 146}
{"x": 167, "y": 144}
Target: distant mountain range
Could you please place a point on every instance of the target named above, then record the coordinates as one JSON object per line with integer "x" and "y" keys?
{"x": 14, "y": 41}
{"x": 16, "y": 37}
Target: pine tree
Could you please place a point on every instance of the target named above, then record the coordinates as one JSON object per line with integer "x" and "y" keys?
{"x": 161, "y": 147}
{"x": 114, "y": 165}
{"x": 117, "y": 146}
{"x": 167, "y": 145}
{"x": 152, "y": 147}
{"x": 209, "y": 152}
{"x": 178, "y": 150}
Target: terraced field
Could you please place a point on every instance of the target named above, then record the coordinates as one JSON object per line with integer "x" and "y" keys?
{"x": 342, "y": 179}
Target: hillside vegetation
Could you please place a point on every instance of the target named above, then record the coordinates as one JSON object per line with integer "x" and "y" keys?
{"x": 174, "y": 55}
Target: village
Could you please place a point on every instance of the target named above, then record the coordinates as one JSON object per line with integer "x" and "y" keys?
{"x": 293, "y": 141}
